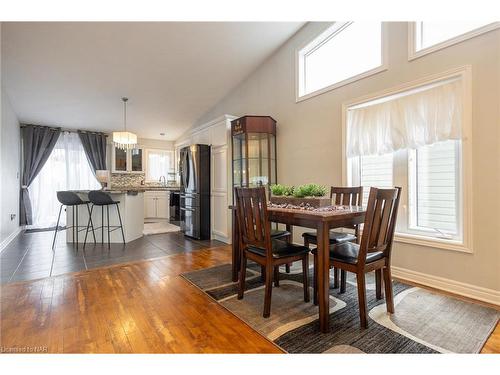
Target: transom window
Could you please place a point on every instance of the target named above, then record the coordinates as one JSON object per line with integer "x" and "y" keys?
{"x": 426, "y": 37}
{"x": 345, "y": 52}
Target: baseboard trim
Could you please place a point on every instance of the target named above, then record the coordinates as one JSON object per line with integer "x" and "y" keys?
{"x": 8, "y": 240}
{"x": 466, "y": 290}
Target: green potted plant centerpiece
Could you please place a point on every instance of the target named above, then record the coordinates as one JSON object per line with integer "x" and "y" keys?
{"x": 312, "y": 195}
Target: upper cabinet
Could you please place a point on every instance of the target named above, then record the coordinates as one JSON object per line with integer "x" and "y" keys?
{"x": 124, "y": 161}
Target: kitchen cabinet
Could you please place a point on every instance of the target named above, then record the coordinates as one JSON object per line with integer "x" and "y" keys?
{"x": 156, "y": 205}
{"x": 127, "y": 161}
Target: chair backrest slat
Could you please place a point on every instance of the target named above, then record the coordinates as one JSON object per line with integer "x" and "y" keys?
{"x": 253, "y": 219}
{"x": 380, "y": 222}
{"x": 347, "y": 196}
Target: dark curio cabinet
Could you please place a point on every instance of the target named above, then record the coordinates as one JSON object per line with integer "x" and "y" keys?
{"x": 253, "y": 141}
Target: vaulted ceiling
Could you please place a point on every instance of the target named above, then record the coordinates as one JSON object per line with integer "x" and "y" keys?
{"x": 74, "y": 74}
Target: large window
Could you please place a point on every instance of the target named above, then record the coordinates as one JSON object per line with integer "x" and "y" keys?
{"x": 158, "y": 163}
{"x": 426, "y": 37}
{"x": 343, "y": 53}
{"x": 66, "y": 169}
{"x": 404, "y": 139}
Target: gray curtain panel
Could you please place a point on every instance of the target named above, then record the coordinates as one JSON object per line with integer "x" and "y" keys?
{"x": 94, "y": 145}
{"x": 37, "y": 145}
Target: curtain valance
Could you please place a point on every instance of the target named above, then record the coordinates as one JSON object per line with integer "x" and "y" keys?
{"x": 422, "y": 116}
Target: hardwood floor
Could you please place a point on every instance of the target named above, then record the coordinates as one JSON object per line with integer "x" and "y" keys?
{"x": 141, "y": 307}
{"x": 138, "y": 307}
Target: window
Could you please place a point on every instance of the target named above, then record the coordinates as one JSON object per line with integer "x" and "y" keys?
{"x": 345, "y": 52}
{"x": 426, "y": 37}
{"x": 434, "y": 173}
{"x": 425, "y": 150}
{"x": 67, "y": 168}
{"x": 159, "y": 163}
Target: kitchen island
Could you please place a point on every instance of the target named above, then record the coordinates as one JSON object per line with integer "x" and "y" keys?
{"x": 131, "y": 210}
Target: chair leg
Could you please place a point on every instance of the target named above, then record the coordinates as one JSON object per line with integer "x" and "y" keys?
{"x": 121, "y": 225}
{"x": 243, "y": 273}
{"x": 389, "y": 298}
{"x": 343, "y": 281}
{"x": 73, "y": 224}
{"x": 335, "y": 278}
{"x": 315, "y": 280}
{"x": 360, "y": 277}
{"x": 57, "y": 226}
{"x": 378, "y": 283}
{"x": 77, "y": 227}
{"x": 102, "y": 225}
{"x": 107, "y": 213}
{"x": 305, "y": 277}
{"x": 89, "y": 223}
{"x": 269, "y": 290}
{"x": 277, "y": 276}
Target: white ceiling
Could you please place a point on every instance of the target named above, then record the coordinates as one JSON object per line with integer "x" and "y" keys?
{"x": 73, "y": 74}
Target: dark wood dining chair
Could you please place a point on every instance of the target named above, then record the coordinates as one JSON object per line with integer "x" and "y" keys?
{"x": 257, "y": 245}
{"x": 374, "y": 252}
{"x": 346, "y": 196}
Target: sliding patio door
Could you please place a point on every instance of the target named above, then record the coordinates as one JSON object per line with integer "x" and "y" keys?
{"x": 66, "y": 169}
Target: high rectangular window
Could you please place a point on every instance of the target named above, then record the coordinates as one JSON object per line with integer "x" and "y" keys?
{"x": 345, "y": 52}
{"x": 427, "y": 36}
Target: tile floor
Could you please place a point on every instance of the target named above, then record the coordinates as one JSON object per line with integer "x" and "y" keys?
{"x": 29, "y": 256}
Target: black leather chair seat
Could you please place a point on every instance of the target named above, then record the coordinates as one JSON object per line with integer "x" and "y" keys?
{"x": 281, "y": 249}
{"x": 335, "y": 237}
{"x": 100, "y": 198}
{"x": 68, "y": 198}
{"x": 278, "y": 233}
{"x": 347, "y": 252}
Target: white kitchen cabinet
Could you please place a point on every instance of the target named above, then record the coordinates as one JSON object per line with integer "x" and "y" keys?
{"x": 156, "y": 205}
{"x": 127, "y": 161}
{"x": 162, "y": 207}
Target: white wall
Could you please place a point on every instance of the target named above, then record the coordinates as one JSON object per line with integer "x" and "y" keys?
{"x": 10, "y": 165}
{"x": 309, "y": 137}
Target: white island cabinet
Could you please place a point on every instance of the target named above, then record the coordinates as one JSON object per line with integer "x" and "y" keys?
{"x": 132, "y": 214}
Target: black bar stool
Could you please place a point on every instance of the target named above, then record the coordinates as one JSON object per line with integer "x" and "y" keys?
{"x": 100, "y": 198}
{"x": 70, "y": 199}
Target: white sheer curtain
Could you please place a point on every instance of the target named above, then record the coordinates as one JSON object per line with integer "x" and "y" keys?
{"x": 412, "y": 119}
{"x": 66, "y": 169}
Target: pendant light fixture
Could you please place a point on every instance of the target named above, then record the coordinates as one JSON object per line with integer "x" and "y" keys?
{"x": 124, "y": 140}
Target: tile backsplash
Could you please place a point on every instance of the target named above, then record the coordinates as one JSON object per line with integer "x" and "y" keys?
{"x": 124, "y": 180}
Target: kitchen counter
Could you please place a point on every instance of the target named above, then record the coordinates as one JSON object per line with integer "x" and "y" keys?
{"x": 131, "y": 189}
{"x": 132, "y": 214}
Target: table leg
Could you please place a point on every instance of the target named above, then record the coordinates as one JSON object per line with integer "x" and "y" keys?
{"x": 323, "y": 277}
{"x": 235, "y": 249}
{"x": 289, "y": 228}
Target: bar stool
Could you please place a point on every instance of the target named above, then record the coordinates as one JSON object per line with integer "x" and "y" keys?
{"x": 70, "y": 199}
{"x": 100, "y": 198}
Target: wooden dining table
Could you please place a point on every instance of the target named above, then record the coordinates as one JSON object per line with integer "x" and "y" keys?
{"x": 322, "y": 221}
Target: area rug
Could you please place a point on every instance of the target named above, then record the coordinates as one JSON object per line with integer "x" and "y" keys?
{"x": 159, "y": 227}
{"x": 424, "y": 322}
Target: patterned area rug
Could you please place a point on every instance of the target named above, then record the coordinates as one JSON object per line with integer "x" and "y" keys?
{"x": 424, "y": 322}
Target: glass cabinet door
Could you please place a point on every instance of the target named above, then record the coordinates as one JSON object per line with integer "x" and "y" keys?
{"x": 136, "y": 162}
{"x": 120, "y": 160}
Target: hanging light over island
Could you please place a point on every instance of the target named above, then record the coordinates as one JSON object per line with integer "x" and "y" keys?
{"x": 125, "y": 140}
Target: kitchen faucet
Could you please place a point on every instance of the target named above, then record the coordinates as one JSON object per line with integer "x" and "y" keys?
{"x": 164, "y": 181}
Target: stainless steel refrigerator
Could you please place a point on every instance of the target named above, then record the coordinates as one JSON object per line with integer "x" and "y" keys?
{"x": 194, "y": 170}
